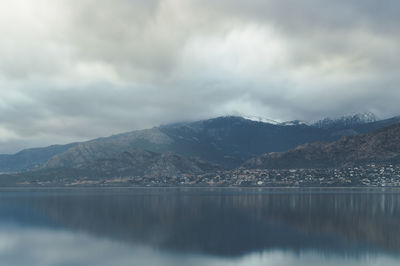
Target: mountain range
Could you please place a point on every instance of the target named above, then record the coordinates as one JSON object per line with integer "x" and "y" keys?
{"x": 220, "y": 143}
{"x": 130, "y": 163}
{"x": 380, "y": 146}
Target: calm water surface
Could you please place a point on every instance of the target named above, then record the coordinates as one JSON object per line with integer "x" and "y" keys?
{"x": 200, "y": 227}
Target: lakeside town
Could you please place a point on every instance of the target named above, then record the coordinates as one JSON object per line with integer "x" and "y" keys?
{"x": 370, "y": 175}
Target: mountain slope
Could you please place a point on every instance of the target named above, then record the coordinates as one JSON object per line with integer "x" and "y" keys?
{"x": 346, "y": 121}
{"x": 130, "y": 163}
{"x": 382, "y": 145}
{"x": 142, "y": 162}
{"x": 84, "y": 152}
{"x": 228, "y": 141}
{"x": 30, "y": 158}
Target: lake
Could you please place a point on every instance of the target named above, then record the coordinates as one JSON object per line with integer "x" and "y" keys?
{"x": 200, "y": 226}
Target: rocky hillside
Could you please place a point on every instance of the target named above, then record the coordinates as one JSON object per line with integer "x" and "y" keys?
{"x": 130, "y": 163}
{"x": 228, "y": 141}
{"x": 346, "y": 121}
{"x": 142, "y": 162}
{"x": 380, "y": 146}
{"x": 85, "y": 152}
{"x": 30, "y": 158}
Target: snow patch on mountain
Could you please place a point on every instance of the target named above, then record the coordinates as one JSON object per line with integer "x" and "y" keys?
{"x": 346, "y": 120}
{"x": 260, "y": 119}
{"x": 293, "y": 123}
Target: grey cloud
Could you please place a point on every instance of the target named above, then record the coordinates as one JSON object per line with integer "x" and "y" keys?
{"x": 309, "y": 15}
{"x": 72, "y": 71}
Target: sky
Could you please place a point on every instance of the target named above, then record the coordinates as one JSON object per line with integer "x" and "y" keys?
{"x": 76, "y": 70}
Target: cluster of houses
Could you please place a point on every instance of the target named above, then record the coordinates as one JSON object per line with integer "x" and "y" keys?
{"x": 367, "y": 175}
{"x": 371, "y": 175}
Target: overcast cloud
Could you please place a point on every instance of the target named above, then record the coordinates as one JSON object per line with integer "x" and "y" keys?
{"x": 75, "y": 70}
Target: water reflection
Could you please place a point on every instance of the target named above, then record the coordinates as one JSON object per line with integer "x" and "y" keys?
{"x": 200, "y": 227}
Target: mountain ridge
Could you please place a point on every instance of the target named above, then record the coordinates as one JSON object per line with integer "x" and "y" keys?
{"x": 224, "y": 140}
{"x": 228, "y": 141}
{"x": 346, "y": 120}
{"x": 132, "y": 164}
{"x": 380, "y": 146}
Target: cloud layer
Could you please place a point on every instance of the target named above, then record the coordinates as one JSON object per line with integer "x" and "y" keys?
{"x": 73, "y": 71}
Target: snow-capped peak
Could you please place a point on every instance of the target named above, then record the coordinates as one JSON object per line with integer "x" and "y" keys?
{"x": 293, "y": 123}
{"x": 260, "y": 119}
{"x": 274, "y": 122}
{"x": 347, "y": 120}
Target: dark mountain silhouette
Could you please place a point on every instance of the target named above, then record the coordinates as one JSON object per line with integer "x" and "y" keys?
{"x": 381, "y": 146}
{"x": 126, "y": 164}
{"x": 142, "y": 162}
{"x": 228, "y": 141}
{"x": 30, "y": 158}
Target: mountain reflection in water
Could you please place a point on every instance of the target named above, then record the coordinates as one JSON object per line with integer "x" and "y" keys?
{"x": 200, "y": 226}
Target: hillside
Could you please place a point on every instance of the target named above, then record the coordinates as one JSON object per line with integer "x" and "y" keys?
{"x": 30, "y": 158}
{"x": 142, "y": 162}
{"x": 380, "y": 146}
{"x": 228, "y": 141}
{"x": 132, "y": 163}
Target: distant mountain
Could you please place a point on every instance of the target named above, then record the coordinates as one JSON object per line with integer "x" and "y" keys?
{"x": 126, "y": 164}
{"x": 346, "y": 121}
{"x": 380, "y": 146}
{"x": 228, "y": 141}
{"x": 30, "y": 158}
{"x": 84, "y": 152}
{"x": 141, "y": 162}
